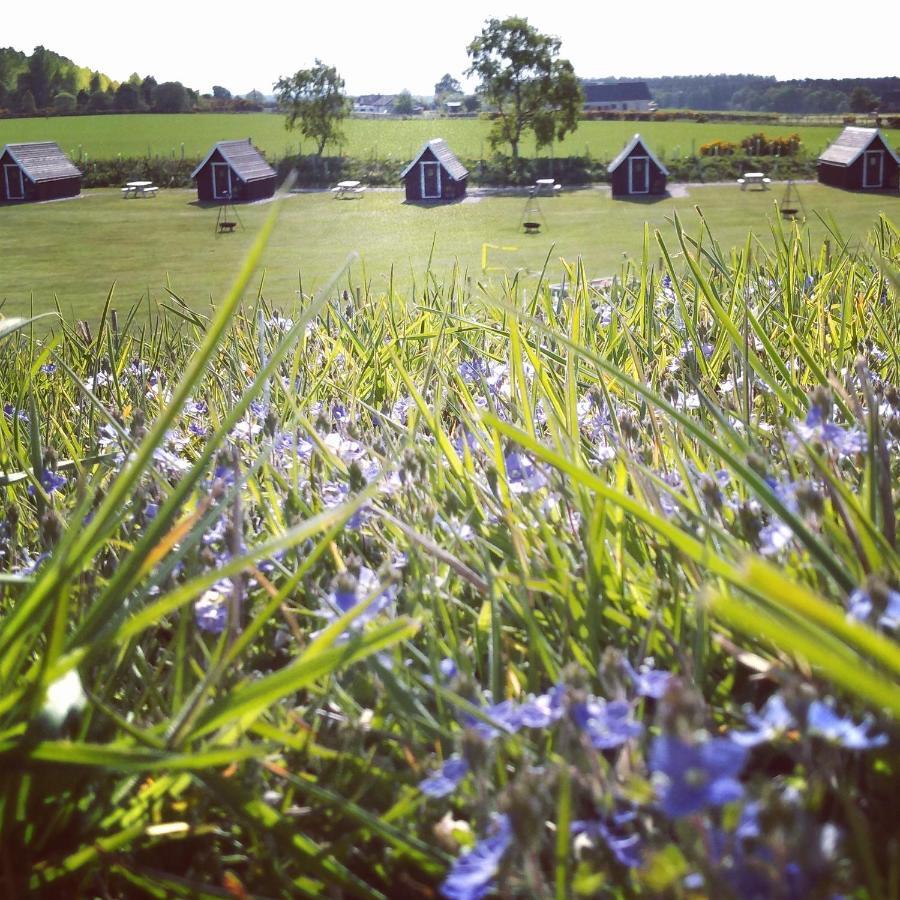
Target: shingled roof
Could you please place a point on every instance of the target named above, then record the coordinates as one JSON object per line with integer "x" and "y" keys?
{"x": 598, "y": 92}
{"x": 42, "y": 161}
{"x": 445, "y": 156}
{"x": 628, "y": 148}
{"x": 245, "y": 160}
{"x": 851, "y": 143}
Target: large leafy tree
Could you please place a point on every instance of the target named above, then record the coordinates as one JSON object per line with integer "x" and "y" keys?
{"x": 314, "y": 99}
{"x": 524, "y": 79}
{"x": 447, "y": 85}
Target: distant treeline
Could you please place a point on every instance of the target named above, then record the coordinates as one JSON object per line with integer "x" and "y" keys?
{"x": 758, "y": 93}
{"x": 47, "y": 83}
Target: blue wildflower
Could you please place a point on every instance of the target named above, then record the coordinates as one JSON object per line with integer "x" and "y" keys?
{"x": 504, "y": 718}
{"x": 447, "y": 779}
{"x": 816, "y": 427}
{"x": 770, "y": 723}
{"x": 626, "y": 849}
{"x": 667, "y": 289}
{"x": 347, "y": 594}
{"x": 448, "y": 668}
{"x": 211, "y": 610}
{"x": 472, "y": 875}
{"x": 697, "y": 775}
{"x": 861, "y": 604}
{"x": 542, "y": 711}
{"x": 648, "y": 682}
{"x": 607, "y": 724}
{"x": 10, "y": 412}
{"x": 522, "y": 474}
{"x": 50, "y": 482}
{"x": 774, "y": 537}
{"x": 822, "y": 720}
{"x": 48, "y": 368}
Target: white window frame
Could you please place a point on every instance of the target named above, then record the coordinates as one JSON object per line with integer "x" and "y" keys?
{"x": 631, "y": 187}
{"x": 440, "y": 186}
{"x": 880, "y": 155}
{"x": 228, "y": 168}
{"x": 9, "y": 194}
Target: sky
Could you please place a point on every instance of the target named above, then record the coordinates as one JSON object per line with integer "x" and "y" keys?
{"x": 392, "y": 45}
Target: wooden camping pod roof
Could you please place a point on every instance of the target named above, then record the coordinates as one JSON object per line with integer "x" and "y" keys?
{"x": 628, "y": 148}
{"x": 42, "y": 161}
{"x": 245, "y": 160}
{"x": 444, "y": 155}
{"x": 851, "y": 143}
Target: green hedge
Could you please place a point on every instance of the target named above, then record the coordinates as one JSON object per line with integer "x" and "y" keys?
{"x": 499, "y": 171}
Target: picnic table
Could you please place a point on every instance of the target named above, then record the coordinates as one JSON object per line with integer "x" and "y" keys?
{"x": 347, "y": 190}
{"x": 547, "y": 185}
{"x": 139, "y": 189}
{"x": 758, "y": 178}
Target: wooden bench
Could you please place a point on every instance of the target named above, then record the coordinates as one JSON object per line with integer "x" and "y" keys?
{"x": 150, "y": 191}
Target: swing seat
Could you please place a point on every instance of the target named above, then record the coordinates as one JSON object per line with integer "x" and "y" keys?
{"x": 531, "y": 227}
{"x": 227, "y": 226}
{"x": 789, "y": 212}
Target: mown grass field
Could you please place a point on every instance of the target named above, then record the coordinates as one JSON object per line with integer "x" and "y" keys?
{"x": 74, "y": 251}
{"x": 103, "y": 137}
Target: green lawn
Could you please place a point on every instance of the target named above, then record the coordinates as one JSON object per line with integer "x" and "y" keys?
{"x": 108, "y": 136}
{"x": 75, "y": 250}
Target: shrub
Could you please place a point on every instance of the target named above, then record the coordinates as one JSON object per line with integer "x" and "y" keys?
{"x": 64, "y": 102}
{"x": 761, "y": 144}
{"x": 718, "y": 148}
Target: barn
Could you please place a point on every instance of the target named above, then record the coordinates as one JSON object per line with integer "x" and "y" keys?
{"x": 636, "y": 171}
{"x": 621, "y": 95}
{"x": 435, "y": 174}
{"x": 860, "y": 159}
{"x": 234, "y": 171}
{"x": 39, "y": 171}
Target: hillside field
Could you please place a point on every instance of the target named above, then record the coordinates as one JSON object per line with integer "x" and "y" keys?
{"x": 103, "y": 137}
{"x": 74, "y": 251}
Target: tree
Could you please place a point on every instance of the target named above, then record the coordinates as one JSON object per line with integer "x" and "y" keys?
{"x": 523, "y": 77}
{"x": 128, "y": 97}
{"x": 315, "y": 98}
{"x": 171, "y": 97}
{"x": 447, "y": 85}
{"x": 221, "y": 93}
{"x": 26, "y": 103}
{"x": 862, "y": 100}
{"x": 40, "y": 74}
{"x": 148, "y": 91}
{"x": 404, "y": 104}
{"x": 98, "y": 102}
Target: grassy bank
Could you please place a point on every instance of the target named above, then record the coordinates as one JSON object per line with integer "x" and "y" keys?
{"x": 451, "y": 590}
